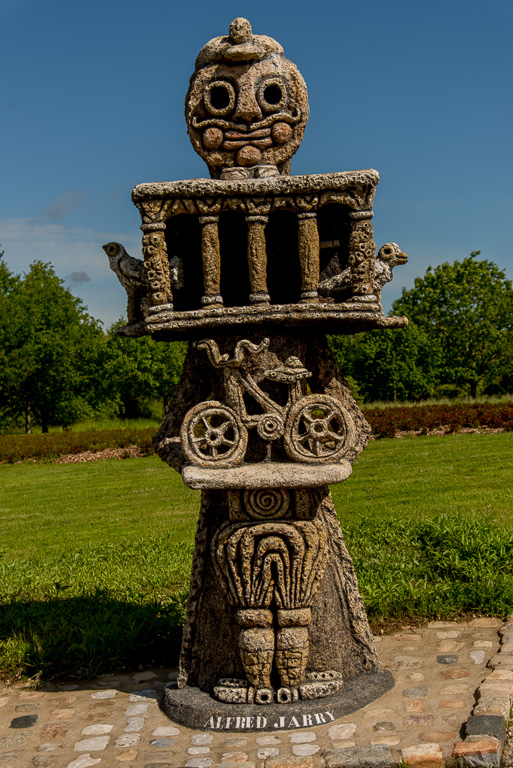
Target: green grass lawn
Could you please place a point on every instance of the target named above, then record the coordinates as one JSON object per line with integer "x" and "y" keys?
{"x": 95, "y": 557}
{"x": 49, "y": 509}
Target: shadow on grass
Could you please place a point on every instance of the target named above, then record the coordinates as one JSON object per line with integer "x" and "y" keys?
{"x": 80, "y": 637}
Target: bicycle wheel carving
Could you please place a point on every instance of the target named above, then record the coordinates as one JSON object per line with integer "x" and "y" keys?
{"x": 318, "y": 430}
{"x": 213, "y": 434}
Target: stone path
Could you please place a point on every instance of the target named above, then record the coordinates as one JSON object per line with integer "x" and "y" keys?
{"x": 115, "y": 720}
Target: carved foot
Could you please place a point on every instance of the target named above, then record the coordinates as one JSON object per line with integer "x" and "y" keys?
{"x": 318, "y": 685}
{"x": 256, "y": 646}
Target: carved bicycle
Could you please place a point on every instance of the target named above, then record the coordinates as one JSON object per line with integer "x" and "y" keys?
{"x": 315, "y": 428}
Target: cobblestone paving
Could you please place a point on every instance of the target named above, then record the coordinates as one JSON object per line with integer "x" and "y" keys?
{"x": 115, "y": 720}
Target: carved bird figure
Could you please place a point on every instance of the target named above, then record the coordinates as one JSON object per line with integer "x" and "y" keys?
{"x": 388, "y": 257}
{"x": 130, "y": 273}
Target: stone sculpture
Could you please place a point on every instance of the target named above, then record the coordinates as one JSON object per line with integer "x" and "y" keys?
{"x": 253, "y": 266}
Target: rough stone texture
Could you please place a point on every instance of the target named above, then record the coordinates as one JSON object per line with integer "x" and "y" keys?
{"x": 262, "y": 421}
{"x": 196, "y": 709}
{"x": 493, "y": 705}
{"x": 502, "y": 661}
{"x": 254, "y": 127}
{"x": 423, "y": 756}
{"x": 484, "y": 752}
{"x": 290, "y": 762}
{"x": 486, "y": 725}
{"x": 214, "y": 646}
{"x": 379, "y": 756}
{"x": 173, "y": 305}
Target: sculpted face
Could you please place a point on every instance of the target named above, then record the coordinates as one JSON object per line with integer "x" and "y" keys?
{"x": 246, "y": 113}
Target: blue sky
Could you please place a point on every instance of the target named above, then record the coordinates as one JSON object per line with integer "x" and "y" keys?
{"x": 92, "y": 96}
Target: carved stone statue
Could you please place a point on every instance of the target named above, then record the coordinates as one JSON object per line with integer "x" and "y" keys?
{"x": 253, "y": 266}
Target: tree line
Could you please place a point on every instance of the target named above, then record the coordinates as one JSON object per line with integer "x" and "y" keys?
{"x": 458, "y": 342}
{"x": 58, "y": 365}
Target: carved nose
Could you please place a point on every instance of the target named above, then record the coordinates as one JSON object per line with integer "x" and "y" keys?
{"x": 247, "y": 106}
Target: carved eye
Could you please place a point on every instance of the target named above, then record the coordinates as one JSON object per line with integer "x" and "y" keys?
{"x": 272, "y": 94}
{"x": 112, "y": 249}
{"x": 219, "y": 97}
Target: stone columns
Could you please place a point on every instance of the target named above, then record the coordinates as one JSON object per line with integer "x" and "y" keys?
{"x": 308, "y": 242}
{"x": 211, "y": 259}
{"x": 257, "y": 259}
{"x": 362, "y": 250}
{"x": 156, "y": 265}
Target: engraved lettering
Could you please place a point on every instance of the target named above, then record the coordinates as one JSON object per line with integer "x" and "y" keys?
{"x": 294, "y": 723}
{"x": 319, "y": 718}
{"x": 330, "y": 715}
{"x": 210, "y": 723}
{"x": 261, "y": 722}
{"x": 307, "y": 720}
{"x": 228, "y": 720}
{"x": 249, "y": 722}
{"x": 281, "y": 723}
{"x": 218, "y": 724}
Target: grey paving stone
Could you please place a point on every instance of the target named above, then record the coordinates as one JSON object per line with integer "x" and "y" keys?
{"x": 305, "y": 749}
{"x": 168, "y": 730}
{"x": 25, "y": 721}
{"x": 447, "y": 658}
{"x": 136, "y": 709}
{"x": 418, "y": 692}
{"x": 162, "y": 742}
{"x": 266, "y": 752}
{"x": 486, "y": 725}
{"x": 84, "y": 761}
{"x": 201, "y": 738}
{"x": 379, "y": 756}
{"x": 14, "y": 740}
{"x": 303, "y": 736}
{"x": 96, "y": 744}
{"x": 198, "y": 762}
{"x": 235, "y": 741}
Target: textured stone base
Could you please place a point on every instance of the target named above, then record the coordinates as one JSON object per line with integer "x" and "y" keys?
{"x": 197, "y": 709}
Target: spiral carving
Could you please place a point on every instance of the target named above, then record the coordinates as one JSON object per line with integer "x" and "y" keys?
{"x": 267, "y": 503}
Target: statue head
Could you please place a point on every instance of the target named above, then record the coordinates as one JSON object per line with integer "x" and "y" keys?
{"x": 247, "y": 105}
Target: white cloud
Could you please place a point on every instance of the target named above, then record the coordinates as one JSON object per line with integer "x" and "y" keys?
{"x": 72, "y": 251}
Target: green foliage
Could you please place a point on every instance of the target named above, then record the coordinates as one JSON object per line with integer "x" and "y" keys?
{"x": 57, "y": 366}
{"x": 397, "y": 364}
{"x": 451, "y": 564}
{"x": 466, "y": 309}
{"x": 136, "y": 371}
{"x": 47, "y": 347}
{"x": 94, "y": 609}
{"x": 459, "y": 340}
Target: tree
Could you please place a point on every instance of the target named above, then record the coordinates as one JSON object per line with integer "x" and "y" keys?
{"x": 48, "y": 343}
{"x": 400, "y": 364}
{"x": 140, "y": 370}
{"x": 467, "y": 309}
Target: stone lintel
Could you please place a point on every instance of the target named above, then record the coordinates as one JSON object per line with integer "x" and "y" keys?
{"x": 266, "y": 475}
{"x": 363, "y": 182}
